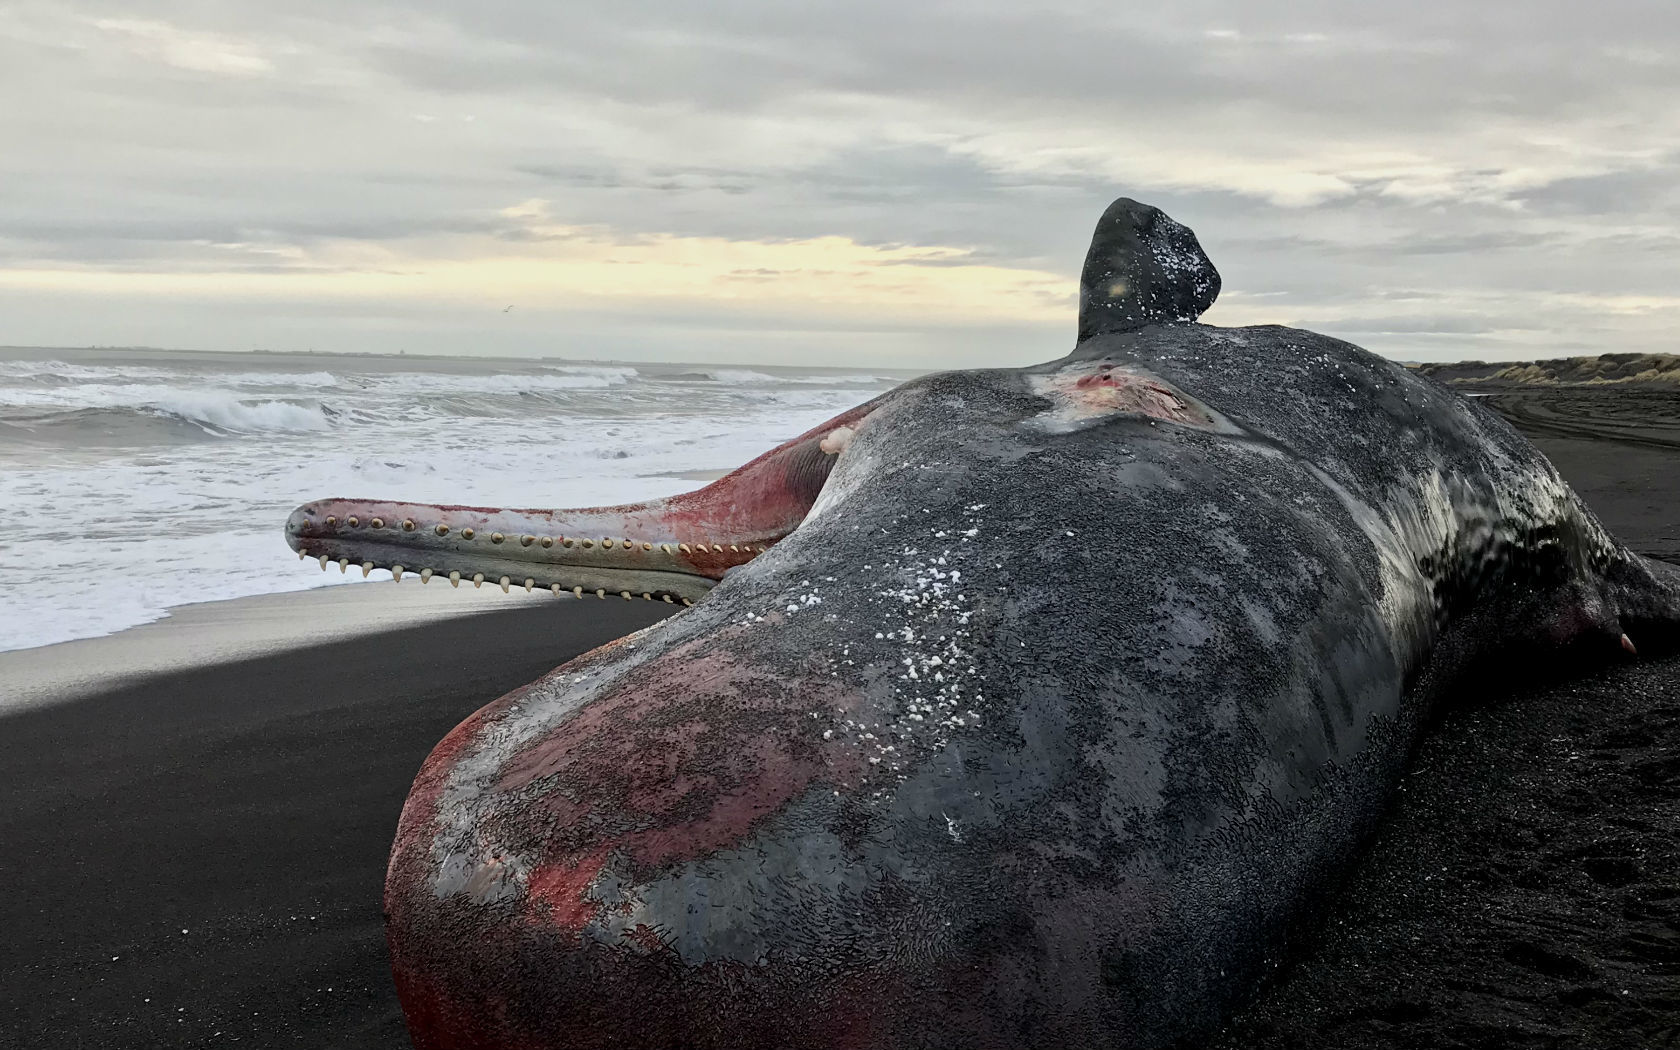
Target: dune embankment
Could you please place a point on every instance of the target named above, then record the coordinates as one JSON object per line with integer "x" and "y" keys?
{"x": 1599, "y": 370}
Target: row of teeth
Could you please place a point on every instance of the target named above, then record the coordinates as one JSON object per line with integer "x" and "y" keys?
{"x": 477, "y": 579}
{"x": 408, "y": 525}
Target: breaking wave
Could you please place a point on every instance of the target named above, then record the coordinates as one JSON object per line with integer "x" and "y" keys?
{"x": 193, "y": 461}
{"x": 171, "y": 419}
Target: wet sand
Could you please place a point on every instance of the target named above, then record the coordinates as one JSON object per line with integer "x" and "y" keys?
{"x": 196, "y": 859}
{"x": 1525, "y": 892}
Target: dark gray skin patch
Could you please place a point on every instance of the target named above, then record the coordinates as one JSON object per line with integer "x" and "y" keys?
{"x": 1027, "y": 736}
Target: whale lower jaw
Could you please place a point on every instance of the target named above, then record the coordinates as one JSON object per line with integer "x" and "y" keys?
{"x": 532, "y": 550}
{"x": 579, "y": 580}
{"x": 673, "y": 550}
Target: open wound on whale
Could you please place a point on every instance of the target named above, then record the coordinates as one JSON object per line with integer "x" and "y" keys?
{"x": 1088, "y": 392}
{"x": 672, "y": 550}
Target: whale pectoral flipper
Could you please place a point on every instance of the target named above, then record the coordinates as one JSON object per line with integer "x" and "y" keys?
{"x": 1645, "y": 593}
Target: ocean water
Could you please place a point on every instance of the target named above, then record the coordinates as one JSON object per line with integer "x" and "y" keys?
{"x": 132, "y": 481}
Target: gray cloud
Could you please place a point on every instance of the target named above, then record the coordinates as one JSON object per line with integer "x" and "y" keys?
{"x": 1514, "y": 164}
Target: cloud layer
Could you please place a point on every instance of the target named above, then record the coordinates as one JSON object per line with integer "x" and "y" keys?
{"x": 848, "y": 182}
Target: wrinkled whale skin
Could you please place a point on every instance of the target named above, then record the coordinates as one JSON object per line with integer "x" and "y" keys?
{"x": 1180, "y": 665}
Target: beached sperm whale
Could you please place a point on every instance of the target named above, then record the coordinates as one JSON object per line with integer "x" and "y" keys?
{"x": 1030, "y": 708}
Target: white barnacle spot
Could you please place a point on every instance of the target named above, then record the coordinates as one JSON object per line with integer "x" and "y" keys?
{"x": 836, "y": 440}
{"x": 925, "y": 618}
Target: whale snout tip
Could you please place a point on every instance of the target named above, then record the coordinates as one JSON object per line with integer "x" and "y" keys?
{"x": 302, "y": 524}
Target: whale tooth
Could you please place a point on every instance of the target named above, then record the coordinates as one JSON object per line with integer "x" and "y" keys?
{"x": 526, "y": 541}
{"x": 344, "y": 565}
{"x": 717, "y": 548}
{"x": 664, "y": 548}
{"x": 647, "y": 546}
{"x": 577, "y": 592}
{"x": 466, "y": 534}
{"x": 331, "y": 521}
{"x": 367, "y": 567}
{"x": 668, "y": 600}
{"x": 353, "y": 521}
{"x": 496, "y": 537}
{"x": 529, "y": 583}
{"x": 442, "y": 530}
{"x": 454, "y": 579}
{"x": 504, "y": 582}
{"x": 324, "y": 560}
{"x": 378, "y": 523}
{"x": 684, "y": 548}
{"x": 408, "y": 524}
{"x": 646, "y": 597}
{"x": 606, "y": 544}
{"x": 478, "y": 579}
{"x": 555, "y": 587}
{"x": 425, "y": 576}
{"x": 1627, "y": 643}
{"x": 302, "y": 554}
{"x": 599, "y": 593}
{"x": 396, "y": 573}
{"x": 688, "y": 601}
{"x": 624, "y": 594}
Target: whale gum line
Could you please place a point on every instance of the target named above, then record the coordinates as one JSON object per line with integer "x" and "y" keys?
{"x": 1044, "y": 727}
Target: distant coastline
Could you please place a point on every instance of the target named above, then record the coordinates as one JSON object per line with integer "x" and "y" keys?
{"x": 1602, "y": 370}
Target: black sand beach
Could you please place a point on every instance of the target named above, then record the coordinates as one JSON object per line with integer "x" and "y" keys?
{"x": 196, "y": 859}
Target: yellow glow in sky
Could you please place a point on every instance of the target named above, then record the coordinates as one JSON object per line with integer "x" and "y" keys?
{"x": 568, "y": 266}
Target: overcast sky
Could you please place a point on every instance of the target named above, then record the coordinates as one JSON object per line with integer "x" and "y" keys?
{"x": 858, "y": 183}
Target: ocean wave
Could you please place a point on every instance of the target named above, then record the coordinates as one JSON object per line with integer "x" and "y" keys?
{"x": 751, "y": 378}
{"x": 98, "y": 428}
{"x": 843, "y": 380}
{"x": 304, "y": 380}
{"x": 58, "y": 373}
{"x": 220, "y": 411}
{"x": 505, "y": 383}
{"x": 614, "y": 373}
{"x": 742, "y": 377}
{"x": 185, "y": 455}
{"x": 162, "y": 418}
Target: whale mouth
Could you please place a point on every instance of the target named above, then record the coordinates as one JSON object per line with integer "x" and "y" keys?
{"x": 673, "y": 550}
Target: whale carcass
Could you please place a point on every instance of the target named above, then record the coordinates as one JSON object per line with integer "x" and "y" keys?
{"x": 1015, "y": 708}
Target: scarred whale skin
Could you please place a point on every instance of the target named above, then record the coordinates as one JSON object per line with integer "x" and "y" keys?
{"x": 1045, "y": 728}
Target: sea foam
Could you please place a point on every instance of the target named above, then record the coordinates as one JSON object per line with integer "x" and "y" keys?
{"x": 140, "y": 481}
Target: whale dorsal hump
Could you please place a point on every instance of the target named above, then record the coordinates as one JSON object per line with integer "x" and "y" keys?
{"x": 1143, "y": 268}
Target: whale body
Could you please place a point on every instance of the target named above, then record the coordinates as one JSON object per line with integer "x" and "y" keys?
{"x": 1016, "y": 707}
